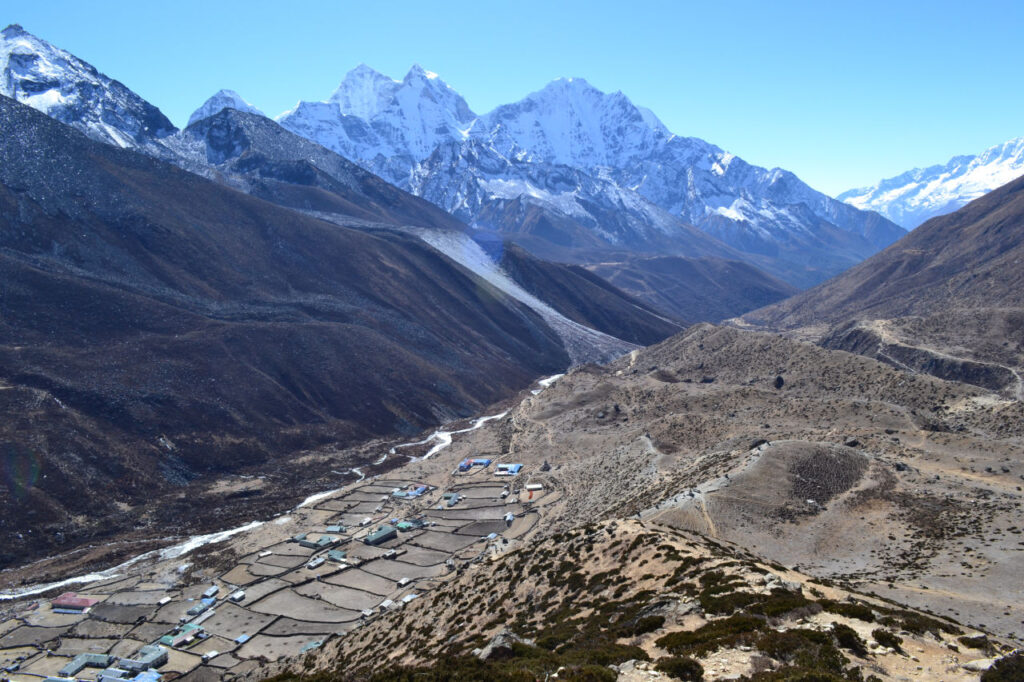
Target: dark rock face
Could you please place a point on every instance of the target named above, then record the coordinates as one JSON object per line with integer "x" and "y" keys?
{"x": 157, "y": 327}
{"x": 694, "y": 289}
{"x": 585, "y": 298}
{"x": 259, "y": 156}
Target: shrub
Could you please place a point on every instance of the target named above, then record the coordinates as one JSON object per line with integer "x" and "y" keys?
{"x": 681, "y": 668}
{"x": 647, "y": 624}
{"x": 588, "y": 673}
{"x": 849, "y": 609}
{"x": 806, "y": 652}
{"x": 712, "y": 636}
{"x": 849, "y": 639}
{"x": 886, "y": 638}
{"x": 780, "y": 602}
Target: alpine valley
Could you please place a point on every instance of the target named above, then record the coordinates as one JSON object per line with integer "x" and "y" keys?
{"x": 385, "y": 389}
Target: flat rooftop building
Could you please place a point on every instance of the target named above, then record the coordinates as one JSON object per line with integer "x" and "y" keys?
{"x": 83, "y": 661}
{"x": 69, "y": 601}
{"x": 381, "y": 535}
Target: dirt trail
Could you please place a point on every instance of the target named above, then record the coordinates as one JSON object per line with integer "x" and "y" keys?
{"x": 885, "y": 334}
{"x": 712, "y": 531}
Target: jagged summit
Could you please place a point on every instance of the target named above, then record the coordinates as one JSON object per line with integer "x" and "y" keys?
{"x": 520, "y": 152}
{"x": 417, "y": 71}
{"x": 373, "y": 116}
{"x": 362, "y": 92}
{"x": 224, "y": 99}
{"x": 57, "y": 83}
{"x": 617, "y": 153}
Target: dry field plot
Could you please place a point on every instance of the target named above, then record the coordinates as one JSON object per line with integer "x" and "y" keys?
{"x": 115, "y": 584}
{"x": 358, "y": 579}
{"x": 180, "y": 662}
{"x": 224, "y": 661}
{"x": 148, "y": 631}
{"x": 352, "y": 521}
{"x": 465, "y": 514}
{"x": 341, "y": 596}
{"x": 481, "y": 492}
{"x": 336, "y": 506}
{"x": 48, "y": 619}
{"x": 357, "y": 550}
{"x": 72, "y": 646}
{"x": 30, "y": 635}
{"x": 121, "y": 614}
{"x": 288, "y": 603}
{"x": 365, "y": 508}
{"x": 98, "y": 628}
{"x": 420, "y": 556}
{"x": 273, "y": 648}
{"x": 232, "y": 621}
{"x": 483, "y": 528}
{"x": 289, "y": 627}
{"x": 259, "y": 590}
{"x": 149, "y": 598}
{"x": 240, "y": 576}
{"x": 360, "y": 496}
{"x": 265, "y": 571}
{"x": 285, "y": 561}
{"x": 126, "y": 647}
{"x": 9, "y": 656}
{"x": 46, "y": 666}
{"x": 445, "y": 542}
{"x": 287, "y": 548}
{"x": 396, "y": 570}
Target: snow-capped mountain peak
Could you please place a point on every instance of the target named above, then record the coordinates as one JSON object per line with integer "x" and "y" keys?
{"x": 587, "y": 156}
{"x": 571, "y": 122}
{"x": 224, "y": 99}
{"x": 417, "y": 72}
{"x": 913, "y": 197}
{"x": 363, "y": 92}
{"x": 371, "y": 116}
{"x": 57, "y": 83}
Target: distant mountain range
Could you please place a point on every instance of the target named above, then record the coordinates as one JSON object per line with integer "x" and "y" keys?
{"x": 260, "y": 157}
{"x": 911, "y": 198}
{"x": 570, "y": 168}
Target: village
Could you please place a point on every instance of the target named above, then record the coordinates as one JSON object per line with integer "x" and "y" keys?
{"x": 320, "y": 571}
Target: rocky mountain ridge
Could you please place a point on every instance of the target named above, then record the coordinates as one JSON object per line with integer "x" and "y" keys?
{"x": 51, "y": 80}
{"x": 570, "y": 146}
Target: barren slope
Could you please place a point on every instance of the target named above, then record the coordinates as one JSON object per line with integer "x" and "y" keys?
{"x": 850, "y": 469}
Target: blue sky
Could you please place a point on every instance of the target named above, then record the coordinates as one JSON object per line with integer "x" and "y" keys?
{"x": 841, "y": 93}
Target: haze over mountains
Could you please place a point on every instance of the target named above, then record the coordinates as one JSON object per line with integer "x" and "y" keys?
{"x": 911, "y": 198}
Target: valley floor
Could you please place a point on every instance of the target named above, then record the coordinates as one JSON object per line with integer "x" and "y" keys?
{"x": 720, "y": 476}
